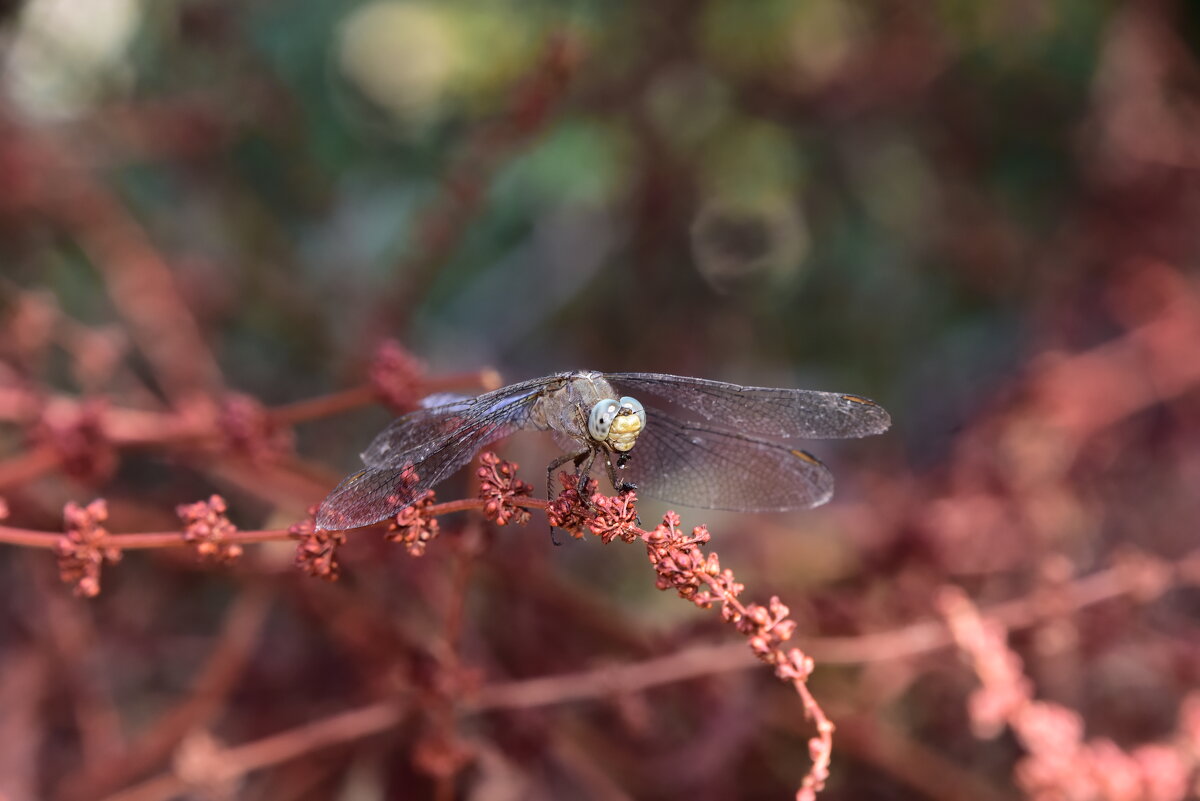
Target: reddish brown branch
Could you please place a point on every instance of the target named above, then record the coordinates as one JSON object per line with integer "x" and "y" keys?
{"x": 235, "y": 762}
{"x": 1143, "y": 578}
{"x": 126, "y": 542}
{"x": 335, "y": 403}
{"x": 32, "y": 538}
{"x": 323, "y": 406}
{"x": 1085, "y": 392}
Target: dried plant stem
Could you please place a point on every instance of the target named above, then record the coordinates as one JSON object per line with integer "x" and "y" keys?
{"x": 346, "y": 400}
{"x": 1140, "y": 578}
{"x": 132, "y": 428}
{"x": 382, "y": 716}
{"x": 323, "y": 405}
{"x": 691, "y": 663}
{"x": 379, "y": 717}
{"x": 31, "y": 538}
{"x": 235, "y": 762}
{"x": 127, "y": 542}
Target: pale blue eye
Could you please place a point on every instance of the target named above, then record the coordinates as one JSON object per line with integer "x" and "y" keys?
{"x": 635, "y": 406}
{"x": 601, "y": 419}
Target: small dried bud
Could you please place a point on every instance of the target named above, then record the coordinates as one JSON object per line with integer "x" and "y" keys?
{"x": 206, "y": 527}
{"x": 758, "y": 614}
{"x": 795, "y": 665}
{"x": 439, "y": 755}
{"x": 76, "y": 435}
{"x": 397, "y": 376}
{"x": 413, "y": 526}
{"x": 500, "y": 488}
{"x": 614, "y": 518}
{"x": 249, "y": 430}
{"x": 316, "y": 551}
{"x": 83, "y": 549}
{"x": 569, "y": 511}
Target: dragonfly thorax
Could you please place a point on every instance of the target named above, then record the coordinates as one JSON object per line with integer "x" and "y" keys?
{"x": 617, "y": 423}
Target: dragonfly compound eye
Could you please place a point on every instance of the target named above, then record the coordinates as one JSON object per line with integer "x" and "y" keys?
{"x": 601, "y": 419}
{"x": 629, "y": 422}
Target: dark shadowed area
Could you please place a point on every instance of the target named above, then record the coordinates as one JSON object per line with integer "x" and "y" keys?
{"x": 237, "y": 238}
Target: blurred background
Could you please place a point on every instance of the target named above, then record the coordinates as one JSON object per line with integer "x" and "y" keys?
{"x": 984, "y": 216}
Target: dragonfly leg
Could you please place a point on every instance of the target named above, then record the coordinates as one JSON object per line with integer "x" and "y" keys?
{"x": 615, "y": 477}
{"x": 583, "y": 466}
{"x": 614, "y": 473}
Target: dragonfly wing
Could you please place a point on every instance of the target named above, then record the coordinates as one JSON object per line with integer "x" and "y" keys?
{"x": 418, "y": 451}
{"x": 768, "y": 411}
{"x": 368, "y": 496}
{"x": 419, "y": 433}
{"x": 698, "y": 465}
{"x": 413, "y": 436}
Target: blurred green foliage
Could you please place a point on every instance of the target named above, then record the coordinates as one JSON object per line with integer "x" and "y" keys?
{"x": 847, "y": 156}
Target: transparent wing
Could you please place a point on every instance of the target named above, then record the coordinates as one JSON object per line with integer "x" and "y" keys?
{"x": 698, "y": 465}
{"x": 434, "y": 443}
{"x": 417, "y": 434}
{"x": 768, "y": 411}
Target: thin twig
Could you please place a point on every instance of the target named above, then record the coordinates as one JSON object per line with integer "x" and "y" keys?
{"x": 235, "y": 762}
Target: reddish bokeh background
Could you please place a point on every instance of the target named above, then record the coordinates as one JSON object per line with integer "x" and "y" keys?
{"x": 237, "y": 238}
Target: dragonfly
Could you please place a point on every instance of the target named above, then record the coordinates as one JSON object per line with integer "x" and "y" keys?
{"x": 691, "y": 441}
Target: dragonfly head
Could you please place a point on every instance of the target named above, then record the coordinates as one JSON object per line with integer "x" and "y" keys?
{"x": 617, "y": 423}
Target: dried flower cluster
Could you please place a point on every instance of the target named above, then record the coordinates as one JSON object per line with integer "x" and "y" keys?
{"x": 682, "y": 565}
{"x": 248, "y": 429}
{"x": 206, "y": 527}
{"x": 84, "y": 548}
{"x": 1059, "y": 763}
{"x": 569, "y": 509}
{"x": 316, "y": 551}
{"x": 499, "y": 488}
{"x": 396, "y": 376}
{"x": 414, "y": 526}
{"x": 615, "y": 517}
{"x": 75, "y": 433}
